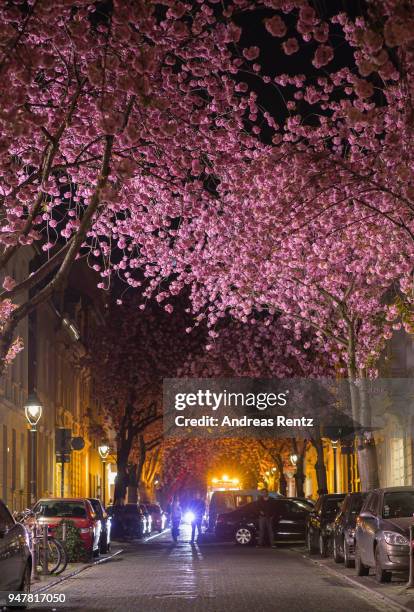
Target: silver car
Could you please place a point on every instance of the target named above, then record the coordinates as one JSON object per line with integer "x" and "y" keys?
{"x": 382, "y": 532}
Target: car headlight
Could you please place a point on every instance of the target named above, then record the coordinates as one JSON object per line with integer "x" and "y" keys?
{"x": 395, "y": 538}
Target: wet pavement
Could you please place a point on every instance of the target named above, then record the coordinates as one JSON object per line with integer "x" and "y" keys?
{"x": 157, "y": 576}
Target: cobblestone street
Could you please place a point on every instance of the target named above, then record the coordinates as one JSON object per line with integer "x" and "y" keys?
{"x": 157, "y": 576}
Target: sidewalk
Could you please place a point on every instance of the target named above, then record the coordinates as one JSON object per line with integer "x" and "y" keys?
{"x": 73, "y": 569}
{"x": 393, "y": 593}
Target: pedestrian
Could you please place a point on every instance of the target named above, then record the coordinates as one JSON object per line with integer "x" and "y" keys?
{"x": 197, "y": 507}
{"x": 266, "y": 510}
{"x": 175, "y": 517}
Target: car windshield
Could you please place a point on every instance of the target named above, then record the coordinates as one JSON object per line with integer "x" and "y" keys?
{"x": 398, "y": 504}
{"x": 96, "y": 506}
{"x": 357, "y": 505}
{"x": 332, "y": 505}
{"x": 62, "y": 509}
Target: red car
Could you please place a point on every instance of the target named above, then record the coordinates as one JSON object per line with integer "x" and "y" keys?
{"x": 78, "y": 510}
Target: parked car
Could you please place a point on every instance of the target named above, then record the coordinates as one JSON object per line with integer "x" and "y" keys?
{"x": 147, "y": 519}
{"x": 382, "y": 532}
{"x": 78, "y": 510}
{"x": 227, "y": 501}
{"x": 127, "y": 521}
{"x": 103, "y": 516}
{"x": 15, "y": 555}
{"x": 242, "y": 525}
{"x": 158, "y": 518}
{"x": 304, "y": 500}
{"x": 319, "y": 524}
{"x": 343, "y": 531}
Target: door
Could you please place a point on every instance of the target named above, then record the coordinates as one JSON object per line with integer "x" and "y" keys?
{"x": 11, "y": 557}
{"x": 366, "y": 530}
{"x": 291, "y": 520}
{"x": 314, "y": 521}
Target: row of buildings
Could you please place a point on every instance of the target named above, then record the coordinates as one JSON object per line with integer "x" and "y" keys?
{"x": 55, "y": 337}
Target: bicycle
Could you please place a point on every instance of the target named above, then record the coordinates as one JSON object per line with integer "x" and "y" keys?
{"x": 49, "y": 554}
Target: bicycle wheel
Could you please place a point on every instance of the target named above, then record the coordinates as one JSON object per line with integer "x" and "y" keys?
{"x": 63, "y": 561}
{"x": 54, "y": 556}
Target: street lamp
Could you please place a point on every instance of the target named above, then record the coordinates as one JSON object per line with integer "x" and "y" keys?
{"x": 103, "y": 451}
{"x": 33, "y": 411}
{"x": 335, "y": 447}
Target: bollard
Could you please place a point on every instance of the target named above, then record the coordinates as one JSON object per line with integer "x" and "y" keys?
{"x": 410, "y": 583}
{"x": 64, "y": 532}
{"x": 45, "y": 568}
{"x": 35, "y": 575}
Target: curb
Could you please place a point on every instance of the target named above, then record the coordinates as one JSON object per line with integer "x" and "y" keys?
{"x": 385, "y": 599}
{"x": 46, "y": 587}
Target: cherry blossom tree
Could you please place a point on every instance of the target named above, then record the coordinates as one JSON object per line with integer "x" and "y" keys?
{"x": 116, "y": 122}
{"x": 129, "y": 358}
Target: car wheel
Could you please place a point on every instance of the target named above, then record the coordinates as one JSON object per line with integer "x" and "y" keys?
{"x": 380, "y": 574}
{"x": 323, "y": 546}
{"x": 309, "y": 542}
{"x": 243, "y": 536}
{"x": 338, "y": 558}
{"x": 348, "y": 562}
{"x": 361, "y": 569}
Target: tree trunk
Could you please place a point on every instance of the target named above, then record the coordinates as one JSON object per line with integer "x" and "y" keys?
{"x": 366, "y": 443}
{"x": 300, "y": 473}
{"x": 361, "y": 415}
{"x": 282, "y": 478}
{"x": 320, "y": 466}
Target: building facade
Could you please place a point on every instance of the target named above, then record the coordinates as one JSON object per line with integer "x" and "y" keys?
{"x": 55, "y": 342}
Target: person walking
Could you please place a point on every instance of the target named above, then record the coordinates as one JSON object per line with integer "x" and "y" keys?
{"x": 266, "y": 512}
{"x": 175, "y": 517}
{"x": 197, "y": 507}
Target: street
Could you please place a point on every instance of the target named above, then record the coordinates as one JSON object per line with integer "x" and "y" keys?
{"x": 157, "y": 576}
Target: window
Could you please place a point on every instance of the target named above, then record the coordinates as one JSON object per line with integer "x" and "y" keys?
{"x": 398, "y": 504}
{"x": 373, "y": 503}
{"x": 53, "y": 508}
{"x": 242, "y": 500}
{"x": 5, "y": 463}
{"x": 14, "y": 452}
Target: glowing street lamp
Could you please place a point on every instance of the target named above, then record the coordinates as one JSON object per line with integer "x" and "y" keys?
{"x": 33, "y": 411}
{"x": 225, "y": 478}
{"x": 103, "y": 451}
{"x": 214, "y": 480}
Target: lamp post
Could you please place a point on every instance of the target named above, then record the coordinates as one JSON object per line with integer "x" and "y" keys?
{"x": 33, "y": 411}
{"x": 335, "y": 447}
{"x": 103, "y": 451}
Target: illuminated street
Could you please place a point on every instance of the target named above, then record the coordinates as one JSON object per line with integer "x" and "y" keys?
{"x": 156, "y": 575}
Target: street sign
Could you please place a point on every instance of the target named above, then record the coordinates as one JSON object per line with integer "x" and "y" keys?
{"x": 62, "y": 440}
{"x": 62, "y": 457}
